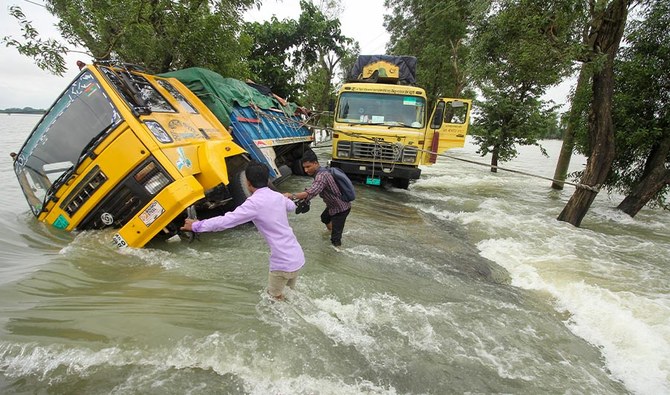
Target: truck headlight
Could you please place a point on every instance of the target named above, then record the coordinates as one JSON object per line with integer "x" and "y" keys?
{"x": 152, "y": 178}
{"x": 409, "y": 155}
{"x": 343, "y": 149}
{"x": 159, "y": 133}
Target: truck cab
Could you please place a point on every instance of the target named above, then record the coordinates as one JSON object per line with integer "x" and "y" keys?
{"x": 127, "y": 150}
{"x": 382, "y": 129}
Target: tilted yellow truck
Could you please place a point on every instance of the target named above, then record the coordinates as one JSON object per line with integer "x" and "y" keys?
{"x": 381, "y": 129}
{"x": 135, "y": 152}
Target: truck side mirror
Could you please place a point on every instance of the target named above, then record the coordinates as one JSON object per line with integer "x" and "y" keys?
{"x": 436, "y": 122}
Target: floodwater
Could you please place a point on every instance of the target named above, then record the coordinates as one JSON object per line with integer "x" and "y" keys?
{"x": 465, "y": 283}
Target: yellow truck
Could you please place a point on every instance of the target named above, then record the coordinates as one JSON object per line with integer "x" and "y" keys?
{"x": 136, "y": 152}
{"x": 381, "y": 129}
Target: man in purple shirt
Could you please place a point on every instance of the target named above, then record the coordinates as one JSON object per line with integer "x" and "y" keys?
{"x": 267, "y": 209}
{"x": 324, "y": 185}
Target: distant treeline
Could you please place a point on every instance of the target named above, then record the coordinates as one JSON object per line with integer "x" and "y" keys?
{"x": 24, "y": 110}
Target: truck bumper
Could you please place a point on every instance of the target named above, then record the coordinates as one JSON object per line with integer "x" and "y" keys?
{"x": 388, "y": 170}
{"x": 157, "y": 214}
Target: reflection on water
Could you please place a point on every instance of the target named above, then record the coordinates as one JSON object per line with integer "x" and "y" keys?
{"x": 464, "y": 283}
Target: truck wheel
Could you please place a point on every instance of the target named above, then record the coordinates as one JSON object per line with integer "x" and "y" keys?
{"x": 238, "y": 188}
{"x": 400, "y": 183}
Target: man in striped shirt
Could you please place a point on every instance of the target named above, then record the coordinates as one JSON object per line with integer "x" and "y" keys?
{"x": 337, "y": 210}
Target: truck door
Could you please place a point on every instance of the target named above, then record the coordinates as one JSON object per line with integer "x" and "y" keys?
{"x": 447, "y": 128}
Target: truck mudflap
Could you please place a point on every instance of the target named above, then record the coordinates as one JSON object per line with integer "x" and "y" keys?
{"x": 365, "y": 169}
{"x": 159, "y": 212}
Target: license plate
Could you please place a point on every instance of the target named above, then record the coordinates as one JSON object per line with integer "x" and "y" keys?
{"x": 373, "y": 181}
{"x": 118, "y": 240}
{"x": 151, "y": 213}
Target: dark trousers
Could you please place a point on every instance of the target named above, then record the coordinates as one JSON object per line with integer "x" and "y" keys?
{"x": 337, "y": 221}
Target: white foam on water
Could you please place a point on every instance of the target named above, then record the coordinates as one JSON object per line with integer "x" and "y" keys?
{"x": 222, "y": 354}
{"x": 406, "y": 327}
{"x": 584, "y": 273}
{"x": 617, "y": 300}
{"x": 636, "y": 350}
{"x": 97, "y": 245}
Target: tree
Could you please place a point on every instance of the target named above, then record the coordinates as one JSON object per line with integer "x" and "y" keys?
{"x": 574, "y": 116}
{"x": 579, "y": 96}
{"x": 321, "y": 48}
{"x": 607, "y": 25}
{"x": 519, "y": 49}
{"x": 48, "y": 54}
{"x": 271, "y": 56}
{"x": 505, "y": 120}
{"x": 435, "y": 32}
{"x": 160, "y": 35}
{"x": 642, "y": 112}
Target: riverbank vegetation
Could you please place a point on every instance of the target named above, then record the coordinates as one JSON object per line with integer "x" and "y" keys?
{"x": 24, "y": 110}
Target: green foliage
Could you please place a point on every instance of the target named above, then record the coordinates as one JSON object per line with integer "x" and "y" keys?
{"x": 270, "y": 60}
{"x": 319, "y": 36}
{"x": 435, "y": 32}
{"x": 299, "y": 59}
{"x": 24, "y": 110}
{"x": 321, "y": 48}
{"x": 519, "y": 50}
{"x": 641, "y": 108}
{"x": 504, "y": 121}
{"x": 160, "y": 35}
{"x": 48, "y": 54}
{"x": 317, "y": 93}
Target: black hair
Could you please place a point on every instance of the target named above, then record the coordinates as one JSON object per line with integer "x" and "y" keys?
{"x": 309, "y": 156}
{"x": 258, "y": 174}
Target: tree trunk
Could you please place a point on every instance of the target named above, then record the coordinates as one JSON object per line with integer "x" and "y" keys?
{"x": 495, "y": 154}
{"x": 654, "y": 178}
{"x": 561, "y": 172}
{"x": 606, "y": 32}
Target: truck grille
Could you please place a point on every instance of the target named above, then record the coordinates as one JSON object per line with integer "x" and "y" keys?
{"x": 381, "y": 152}
{"x": 90, "y": 183}
{"x": 125, "y": 201}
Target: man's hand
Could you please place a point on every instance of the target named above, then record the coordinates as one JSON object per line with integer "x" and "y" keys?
{"x": 188, "y": 224}
{"x": 289, "y": 195}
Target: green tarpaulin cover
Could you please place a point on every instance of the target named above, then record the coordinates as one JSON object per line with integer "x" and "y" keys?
{"x": 221, "y": 94}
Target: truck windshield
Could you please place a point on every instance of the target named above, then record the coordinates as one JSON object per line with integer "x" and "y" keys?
{"x": 383, "y": 109}
{"x": 81, "y": 117}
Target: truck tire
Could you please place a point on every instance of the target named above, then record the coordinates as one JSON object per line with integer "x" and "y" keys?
{"x": 239, "y": 189}
{"x": 400, "y": 183}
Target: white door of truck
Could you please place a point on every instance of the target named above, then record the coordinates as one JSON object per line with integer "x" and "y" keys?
{"x": 447, "y": 128}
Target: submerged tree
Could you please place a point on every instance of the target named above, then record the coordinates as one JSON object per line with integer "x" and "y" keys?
{"x": 519, "y": 50}
{"x": 573, "y": 118}
{"x": 607, "y": 26}
{"x": 641, "y": 169}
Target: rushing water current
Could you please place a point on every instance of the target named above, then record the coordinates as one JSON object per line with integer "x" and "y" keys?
{"x": 465, "y": 283}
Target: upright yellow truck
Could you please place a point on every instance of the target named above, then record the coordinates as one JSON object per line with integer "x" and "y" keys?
{"x": 381, "y": 129}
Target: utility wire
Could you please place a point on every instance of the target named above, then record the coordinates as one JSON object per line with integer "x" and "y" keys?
{"x": 398, "y": 145}
{"x": 34, "y": 3}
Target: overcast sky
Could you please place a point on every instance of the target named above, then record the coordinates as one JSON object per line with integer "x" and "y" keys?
{"x": 23, "y": 84}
